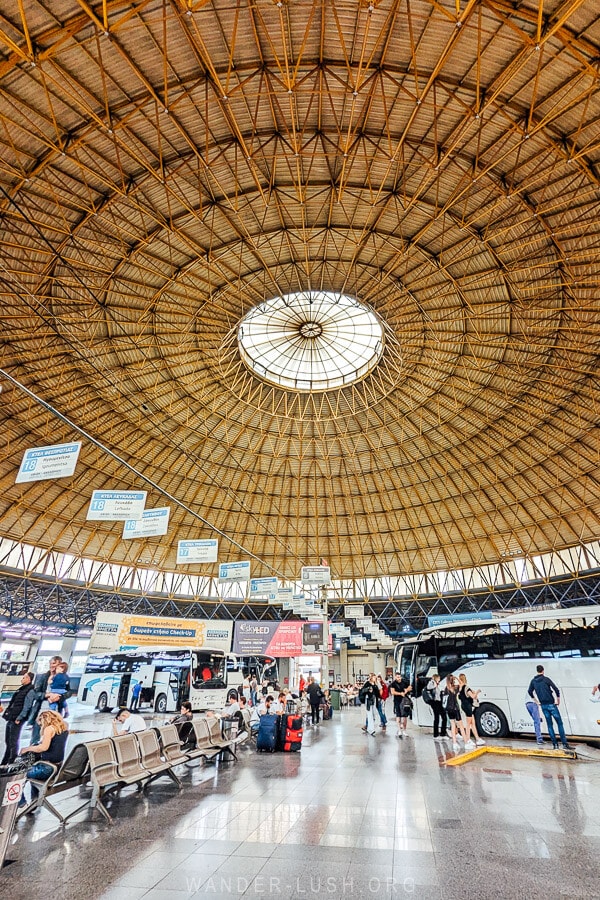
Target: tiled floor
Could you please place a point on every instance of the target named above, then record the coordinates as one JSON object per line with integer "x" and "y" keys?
{"x": 350, "y": 816}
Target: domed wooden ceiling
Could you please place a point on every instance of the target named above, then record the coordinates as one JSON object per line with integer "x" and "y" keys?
{"x": 168, "y": 165}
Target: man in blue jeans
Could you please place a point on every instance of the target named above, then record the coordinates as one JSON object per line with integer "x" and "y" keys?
{"x": 548, "y": 696}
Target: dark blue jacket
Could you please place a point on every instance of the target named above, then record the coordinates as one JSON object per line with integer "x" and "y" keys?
{"x": 545, "y": 689}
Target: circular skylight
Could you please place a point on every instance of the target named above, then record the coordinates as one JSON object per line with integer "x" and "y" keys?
{"x": 311, "y": 340}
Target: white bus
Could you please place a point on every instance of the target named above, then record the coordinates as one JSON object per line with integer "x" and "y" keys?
{"x": 168, "y": 677}
{"x": 263, "y": 668}
{"x": 499, "y": 656}
{"x": 11, "y": 673}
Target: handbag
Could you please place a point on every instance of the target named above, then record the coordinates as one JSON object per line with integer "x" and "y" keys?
{"x": 26, "y": 760}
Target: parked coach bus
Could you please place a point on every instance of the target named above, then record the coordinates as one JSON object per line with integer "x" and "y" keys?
{"x": 500, "y": 655}
{"x": 168, "y": 677}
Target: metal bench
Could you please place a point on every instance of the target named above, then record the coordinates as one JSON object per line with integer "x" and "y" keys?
{"x": 74, "y": 772}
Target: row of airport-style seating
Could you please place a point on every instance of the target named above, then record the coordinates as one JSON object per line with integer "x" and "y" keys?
{"x": 112, "y": 763}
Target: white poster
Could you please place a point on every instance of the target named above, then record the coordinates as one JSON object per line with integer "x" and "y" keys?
{"x": 260, "y": 586}
{"x": 202, "y": 551}
{"x": 315, "y": 575}
{"x": 40, "y": 463}
{"x": 154, "y": 522}
{"x": 116, "y": 506}
{"x": 238, "y": 571}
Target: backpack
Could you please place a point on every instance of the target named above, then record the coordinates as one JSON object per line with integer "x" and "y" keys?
{"x": 365, "y": 689}
{"x": 385, "y": 691}
{"x": 428, "y": 695}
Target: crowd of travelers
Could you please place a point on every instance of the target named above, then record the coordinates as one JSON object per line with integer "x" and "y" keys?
{"x": 41, "y": 702}
{"x": 453, "y": 703}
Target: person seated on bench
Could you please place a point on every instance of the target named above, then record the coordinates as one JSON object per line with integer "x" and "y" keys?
{"x": 232, "y": 703}
{"x": 250, "y": 717}
{"x": 185, "y": 714}
{"x": 51, "y": 749}
{"x": 128, "y": 721}
{"x": 231, "y": 710}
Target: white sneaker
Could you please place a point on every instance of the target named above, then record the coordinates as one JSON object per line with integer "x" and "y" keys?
{"x": 459, "y": 737}
{"x": 469, "y": 745}
{"x": 480, "y": 742}
{"x": 455, "y": 747}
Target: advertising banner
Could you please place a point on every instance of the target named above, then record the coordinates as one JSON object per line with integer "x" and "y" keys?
{"x": 238, "y": 571}
{"x": 154, "y": 522}
{"x": 443, "y": 619}
{"x": 116, "y": 506}
{"x": 203, "y": 551}
{"x": 56, "y": 461}
{"x": 117, "y": 631}
{"x": 279, "y": 639}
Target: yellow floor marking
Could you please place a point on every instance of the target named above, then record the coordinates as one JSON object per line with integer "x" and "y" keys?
{"x": 510, "y": 751}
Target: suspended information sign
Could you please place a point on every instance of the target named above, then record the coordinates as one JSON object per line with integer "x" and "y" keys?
{"x": 281, "y": 595}
{"x": 203, "y": 551}
{"x": 259, "y": 586}
{"x": 40, "y": 463}
{"x": 153, "y": 522}
{"x": 315, "y": 575}
{"x": 116, "y": 506}
{"x": 238, "y": 571}
{"x": 354, "y": 611}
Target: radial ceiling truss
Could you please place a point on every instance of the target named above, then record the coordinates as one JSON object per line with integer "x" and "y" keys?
{"x": 167, "y": 165}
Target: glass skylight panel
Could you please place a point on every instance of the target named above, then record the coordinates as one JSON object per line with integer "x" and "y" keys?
{"x": 311, "y": 341}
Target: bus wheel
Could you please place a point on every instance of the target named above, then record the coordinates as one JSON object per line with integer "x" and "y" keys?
{"x": 491, "y": 721}
{"x": 102, "y": 702}
{"x": 161, "y": 703}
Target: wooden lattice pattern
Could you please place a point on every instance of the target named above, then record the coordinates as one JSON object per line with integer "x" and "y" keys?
{"x": 166, "y": 165}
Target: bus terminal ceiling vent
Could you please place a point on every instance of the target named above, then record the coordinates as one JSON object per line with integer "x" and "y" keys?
{"x": 311, "y": 340}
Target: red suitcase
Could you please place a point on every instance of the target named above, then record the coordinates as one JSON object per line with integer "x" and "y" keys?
{"x": 293, "y": 734}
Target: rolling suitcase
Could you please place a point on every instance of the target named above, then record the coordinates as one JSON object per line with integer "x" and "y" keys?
{"x": 292, "y": 741}
{"x": 268, "y": 733}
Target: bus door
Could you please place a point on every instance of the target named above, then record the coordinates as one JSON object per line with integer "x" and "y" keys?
{"x": 144, "y": 672}
{"x": 411, "y": 668}
{"x": 124, "y": 689}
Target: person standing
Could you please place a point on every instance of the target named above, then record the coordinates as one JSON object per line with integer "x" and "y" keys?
{"x": 534, "y": 711}
{"x": 548, "y": 697}
{"x": 315, "y": 695}
{"x": 400, "y": 690}
{"x": 59, "y": 684}
{"x": 15, "y": 714}
{"x": 468, "y": 699}
{"x": 440, "y": 722}
{"x": 384, "y": 693}
{"x": 450, "y": 704}
{"x": 370, "y": 696}
{"x": 40, "y": 686}
{"x": 136, "y": 693}
{"x": 253, "y": 690}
